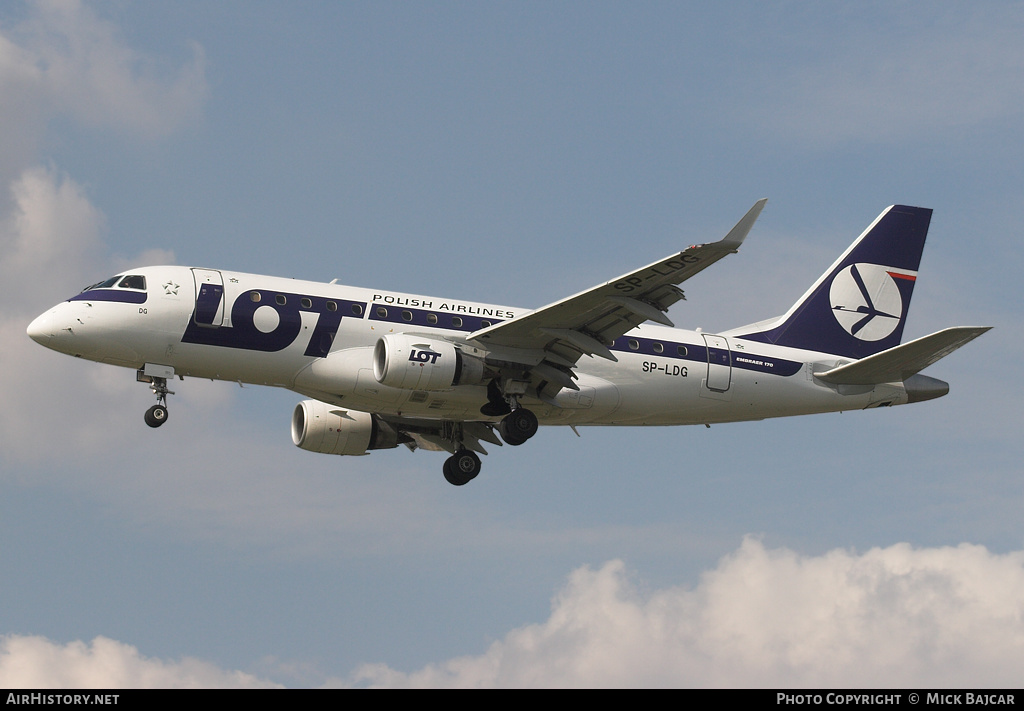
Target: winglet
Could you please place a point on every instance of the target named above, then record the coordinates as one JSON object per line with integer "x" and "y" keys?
{"x": 739, "y": 233}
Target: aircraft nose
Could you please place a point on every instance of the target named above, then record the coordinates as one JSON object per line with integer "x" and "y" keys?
{"x": 41, "y": 330}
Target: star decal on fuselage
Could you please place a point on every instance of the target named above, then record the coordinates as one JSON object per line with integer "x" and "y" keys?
{"x": 171, "y": 288}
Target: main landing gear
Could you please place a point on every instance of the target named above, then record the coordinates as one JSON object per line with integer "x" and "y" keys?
{"x": 515, "y": 428}
{"x": 462, "y": 467}
{"x": 518, "y": 425}
{"x": 157, "y": 415}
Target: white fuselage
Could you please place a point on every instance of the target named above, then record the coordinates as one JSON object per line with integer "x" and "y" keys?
{"x": 318, "y": 339}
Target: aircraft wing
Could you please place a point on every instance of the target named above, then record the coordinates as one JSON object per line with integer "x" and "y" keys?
{"x": 590, "y": 321}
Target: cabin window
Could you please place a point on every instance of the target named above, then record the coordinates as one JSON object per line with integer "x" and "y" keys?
{"x": 485, "y": 323}
{"x": 357, "y": 310}
{"x": 407, "y": 315}
{"x": 431, "y": 318}
{"x": 281, "y": 299}
{"x": 254, "y": 296}
{"x": 634, "y": 345}
{"x": 382, "y": 312}
{"x": 457, "y": 321}
{"x": 681, "y": 350}
{"x": 306, "y": 303}
{"x": 658, "y": 348}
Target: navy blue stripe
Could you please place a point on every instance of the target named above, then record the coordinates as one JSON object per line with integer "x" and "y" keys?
{"x": 761, "y": 364}
{"x": 418, "y": 317}
{"x": 699, "y": 354}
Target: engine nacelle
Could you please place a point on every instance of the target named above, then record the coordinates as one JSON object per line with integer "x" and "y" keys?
{"x": 418, "y": 363}
{"x": 319, "y": 427}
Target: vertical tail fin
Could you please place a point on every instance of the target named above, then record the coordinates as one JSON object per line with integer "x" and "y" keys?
{"x": 859, "y": 306}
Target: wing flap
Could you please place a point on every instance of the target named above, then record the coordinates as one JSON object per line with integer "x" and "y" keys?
{"x": 899, "y": 363}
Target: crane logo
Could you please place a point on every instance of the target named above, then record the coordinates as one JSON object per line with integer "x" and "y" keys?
{"x": 866, "y": 301}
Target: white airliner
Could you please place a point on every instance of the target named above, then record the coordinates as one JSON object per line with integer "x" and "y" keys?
{"x": 385, "y": 368}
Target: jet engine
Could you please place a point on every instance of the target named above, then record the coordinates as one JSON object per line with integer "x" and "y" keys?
{"x": 418, "y": 363}
{"x": 319, "y": 427}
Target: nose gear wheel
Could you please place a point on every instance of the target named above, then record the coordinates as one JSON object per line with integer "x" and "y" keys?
{"x": 156, "y": 415}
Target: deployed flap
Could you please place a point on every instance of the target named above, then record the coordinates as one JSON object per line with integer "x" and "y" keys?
{"x": 899, "y": 363}
{"x": 590, "y": 321}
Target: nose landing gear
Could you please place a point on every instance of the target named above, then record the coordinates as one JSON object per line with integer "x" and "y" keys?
{"x": 156, "y": 415}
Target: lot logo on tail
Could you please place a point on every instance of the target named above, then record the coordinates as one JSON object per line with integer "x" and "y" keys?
{"x": 866, "y": 301}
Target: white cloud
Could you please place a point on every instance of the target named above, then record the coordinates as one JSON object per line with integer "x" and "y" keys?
{"x": 50, "y": 246}
{"x": 895, "y": 616}
{"x": 38, "y": 663}
{"x": 83, "y": 67}
{"x": 63, "y": 60}
{"x": 50, "y": 239}
{"x": 889, "y": 617}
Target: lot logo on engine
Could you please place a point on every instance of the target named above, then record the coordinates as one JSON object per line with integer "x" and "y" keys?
{"x": 424, "y": 355}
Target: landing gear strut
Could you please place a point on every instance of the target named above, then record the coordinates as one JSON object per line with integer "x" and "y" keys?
{"x": 496, "y": 405}
{"x": 157, "y": 415}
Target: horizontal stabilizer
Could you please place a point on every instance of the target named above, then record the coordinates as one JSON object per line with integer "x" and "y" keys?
{"x": 900, "y": 362}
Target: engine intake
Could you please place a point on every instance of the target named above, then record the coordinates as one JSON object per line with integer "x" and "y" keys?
{"x": 418, "y": 363}
{"x": 323, "y": 428}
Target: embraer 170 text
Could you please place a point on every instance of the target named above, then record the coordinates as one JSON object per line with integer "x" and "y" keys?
{"x": 385, "y": 368}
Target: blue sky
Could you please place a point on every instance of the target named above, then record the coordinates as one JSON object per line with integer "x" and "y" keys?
{"x": 514, "y": 154}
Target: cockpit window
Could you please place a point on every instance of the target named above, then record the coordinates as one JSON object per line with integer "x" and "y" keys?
{"x": 104, "y": 284}
{"x": 133, "y": 281}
